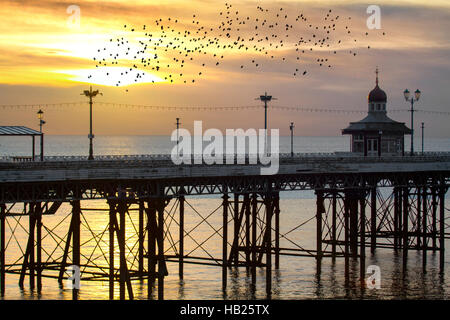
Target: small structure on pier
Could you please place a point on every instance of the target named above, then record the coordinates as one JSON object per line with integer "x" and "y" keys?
{"x": 24, "y": 131}
{"x": 377, "y": 134}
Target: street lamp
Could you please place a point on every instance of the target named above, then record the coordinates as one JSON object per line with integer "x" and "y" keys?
{"x": 91, "y": 94}
{"x": 40, "y": 115}
{"x": 265, "y": 98}
{"x": 291, "y": 127}
{"x": 178, "y": 135}
{"x": 416, "y": 97}
{"x": 423, "y": 126}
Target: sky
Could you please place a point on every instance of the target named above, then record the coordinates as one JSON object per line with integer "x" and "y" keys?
{"x": 47, "y": 51}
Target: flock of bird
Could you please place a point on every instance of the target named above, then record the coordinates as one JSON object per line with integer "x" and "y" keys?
{"x": 168, "y": 46}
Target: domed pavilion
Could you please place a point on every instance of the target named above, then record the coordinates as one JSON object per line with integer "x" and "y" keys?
{"x": 377, "y": 134}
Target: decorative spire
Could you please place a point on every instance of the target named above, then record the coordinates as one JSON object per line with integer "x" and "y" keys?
{"x": 376, "y": 81}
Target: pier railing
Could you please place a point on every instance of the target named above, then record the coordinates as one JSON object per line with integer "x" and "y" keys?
{"x": 284, "y": 157}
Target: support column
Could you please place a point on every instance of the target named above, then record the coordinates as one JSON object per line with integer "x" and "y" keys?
{"x": 442, "y": 227}
{"x": 38, "y": 216}
{"x": 28, "y": 259}
{"x": 353, "y": 223}
{"x": 333, "y": 226}
{"x": 247, "y": 231}
{"x": 112, "y": 213}
{"x": 235, "y": 249}
{"x": 76, "y": 212}
{"x": 2, "y": 249}
{"x": 121, "y": 242}
{"x": 31, "y": 257}
{"x": 151, "y": 246}
{"x": 396, "y": 213}
{"x": 418, "y": 230}
{"x": 181, "y": 248}
{"x": 124, "y": 277}
{"x": 399, "y": 218}
{"x": 269, "y": 213}
{"x": 277, "y": 230}
{"x": 424, "y": 229}
{"x": 225, "y": 241}
{"x": 346, "y": 238}
{"x": 433, "y": 218}
{"x": 405, "y": 227}
{"x": 362, "y": 241}
{"x": 254, "y": 236}
{"x": 373, "y": 219}
{"x": 319, "y": 210}
{"x": 160, "y": 239}
{"x": 141, "y": 239}
{"x": 66, "y": 253}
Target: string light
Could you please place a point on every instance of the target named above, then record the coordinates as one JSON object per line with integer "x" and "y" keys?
{"x": 213, "y": 108}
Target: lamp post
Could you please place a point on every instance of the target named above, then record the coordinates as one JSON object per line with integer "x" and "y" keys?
{"x": 416, "y": 98}
{"x": 40, "y": 115}
{"x": 422, "y": 135}
{"x": 178, "y": 135}
{"x": 291, "y": 127}
{"x": 91, "y": 94}
{"x": 265, "y": 98}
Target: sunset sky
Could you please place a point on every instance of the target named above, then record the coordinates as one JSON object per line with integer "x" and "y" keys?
{"x": 46, "y": 57}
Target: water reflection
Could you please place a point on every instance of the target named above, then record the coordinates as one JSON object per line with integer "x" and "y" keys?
{"x": 297, "y": 278}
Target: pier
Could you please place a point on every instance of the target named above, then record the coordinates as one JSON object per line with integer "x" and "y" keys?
{"x": 353, "y": 216}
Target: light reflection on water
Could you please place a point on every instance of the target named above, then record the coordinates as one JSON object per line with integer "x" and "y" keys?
{"x": 297, "y": 277}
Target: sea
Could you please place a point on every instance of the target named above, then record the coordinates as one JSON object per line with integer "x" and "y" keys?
{"x": 297, "y": 277}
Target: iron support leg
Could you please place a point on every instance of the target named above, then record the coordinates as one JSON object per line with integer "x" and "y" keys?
{"x": 141, "y": 239}
{"x": 362, "y": 241}
{"x": 373, "y": 219}
{"x": 405, "y": 227}
{"x": 2, "y": 249}
{"x": 181, "y": 248}
{"x": 424, "y": 229}
{"x": 254, "y": 236}
{"x": 269, "y": 214}
{"x": 442, "y": 230}
{"x": 225, "y": 241}
{"x": 247, "y": 231}
{"x": 161, "y": 262}
{"x": 277, "y": 230}
{"x": 319, "y": 210}
{"x": 76, "y": 212}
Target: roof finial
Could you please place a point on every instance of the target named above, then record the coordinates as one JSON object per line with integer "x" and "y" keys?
{"x": 376, "y": 71}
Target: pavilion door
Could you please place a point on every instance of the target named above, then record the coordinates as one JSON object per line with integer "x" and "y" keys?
{"x": 372, "y": 147}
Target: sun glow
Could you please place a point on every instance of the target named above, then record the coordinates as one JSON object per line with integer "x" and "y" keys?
{"x": 108, "y": 76}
